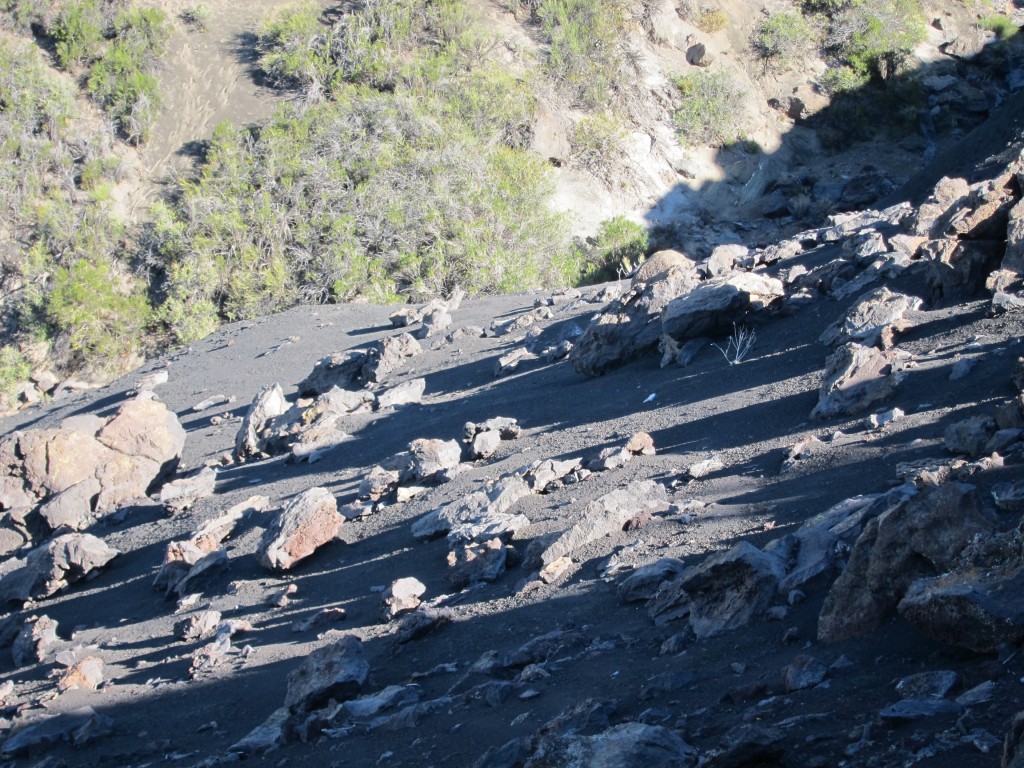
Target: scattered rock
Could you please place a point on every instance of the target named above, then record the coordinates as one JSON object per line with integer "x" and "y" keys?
{"x": 804, "y": 672}
{"x": 337, "y": 671}
{"x": 402, "y": 596}
{"x": 51, "y": 567}
{"x": 918, "y": 539}
{"x": 307, "y": 523}
{"x": 856, "y": 377}
{"x": 85, "y": 674}
{"x": 78, "y": 726}
{"x": 724, "y": 592}
{"x": 268, "y": 404}
{"x": 407, "y": 393}
{"x": 714, "y": 307}
{"x": 872, "y": 320}
{"x": 179, "y": 495}
{"x": 35, "y": 641}
{"x": 198, "y": 627}
{"x": 927, "y": 685}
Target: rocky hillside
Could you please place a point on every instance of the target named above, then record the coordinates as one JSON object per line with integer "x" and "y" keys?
{"x": 759, "y": 508}
{"x": 175, "y": 165}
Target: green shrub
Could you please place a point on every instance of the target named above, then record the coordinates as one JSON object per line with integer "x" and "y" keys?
{"x": 842, "y": 79}
{"x": 873, "y": 37}
{"x": 196, "y": 16}
{"x": 782, "y": 39}
{"x": 290, "y": 54}
{"x": 710, "y": 110}
{"x": 14, "y": 369}
{"x": 619, "y": 246}
{"x": 999, "y": 23}
{"x": 586, "y": 45}
{"x": 79, "y": 32}
{"x": 98, "y": 314}
{"x": 128, "y": 93}
{"x": 597, "y": 143}
{"x": 711, "y": 20}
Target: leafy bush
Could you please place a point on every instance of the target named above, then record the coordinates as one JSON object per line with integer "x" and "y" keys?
{"x": 13, "y": 370}
{"x": 597, "y": 143}
{"x": 586, "y": 45}
{"x": 290, "y": 53}
{"x": 129, "y": 94}
{"x": 711, "y": 20}
{"x": 197, "y": 16}
{"x": 842, "y": 79}
{"x": 999, "y": 23}
{"x": 79, "y": 32}
{"x": 781, "y": 39}
{"x": 710, "y": 109}
{"x": 618, "y": 247}
{"x": 98, "y": 314}
{"x": 873, "y": 37}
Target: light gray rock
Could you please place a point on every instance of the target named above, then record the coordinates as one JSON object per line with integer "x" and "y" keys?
{"x": 72, "y": 508}
{"x": 51, "y": 567}
{"x": 36, "y": 640}
{"x": 264, "y": 738}
{"x": 337, "y": 671}
{"x": 657, "y": 265}
{"x": 268, "y": 404}
{"x": 307, "y": 523}
{"x": 407, "y": 393}
{"x": 627, "y": 745}
{"x": 198, "y": 627}
{"x": 402, "y": 596}
{"x": 432, "y": 458}
{"x": 644, "y": 582}
{"x": 383, "y": 359}
{"x": 856, "y": 377}
{"x": 482, "y": 513}
{"x": 179, "y": 495}
{"x": 77, "y": 726}
{"x": 873, "y": 319}
{"x": 607, "y": 515}
{"x": 970, "y": 436}
{"x": 544, "y": 475}
{"x": 475, "y": 561}
{"x": 340, "y": 369}
{"x": 713, "y": 307}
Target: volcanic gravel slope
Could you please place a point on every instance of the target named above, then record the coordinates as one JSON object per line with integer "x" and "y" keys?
{"x": 747, "y": 415}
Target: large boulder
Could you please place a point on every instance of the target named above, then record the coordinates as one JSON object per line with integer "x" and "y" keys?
{"x": 627, "y": 745}
{"x": 856, "y": 377}
{"x": 713, "y": 307}
{"x": 630, "y": 325}
{"x": 337, "y": 671}
{"x": 919, "y": 539}
{"x": 68, "y": 476}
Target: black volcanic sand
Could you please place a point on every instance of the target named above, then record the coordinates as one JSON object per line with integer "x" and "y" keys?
{"x": 746, "y": 414}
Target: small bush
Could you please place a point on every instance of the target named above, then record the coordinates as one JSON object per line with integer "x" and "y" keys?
{"x": 79, "y": 32}
{"x": 597, "y": 143}
{"x": 874, "y": 37}
{"x": 289, "y": 53}
{"x": 1002, "y": 25}
{"x": 711, "y": 20}
{"x": 14, "y": 369}
{"x": 98, "y": 315}
{"x": 586, "y": 45}
{"x": 196, "y": 16}
{"x": 842, "y": 80}
{"x": 618, "y": 247}
{"x": 710, "y": 110}
{"x": 782, "y": 39}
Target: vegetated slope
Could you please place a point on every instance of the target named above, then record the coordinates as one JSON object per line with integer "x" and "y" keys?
{"x": 489, "y": 667}
{"x": 706, "y": 124}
